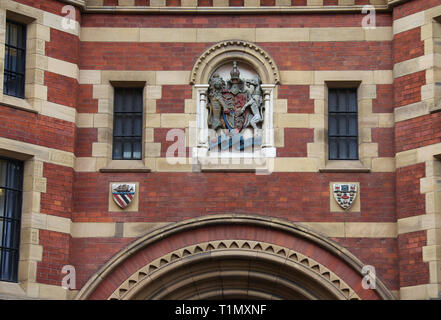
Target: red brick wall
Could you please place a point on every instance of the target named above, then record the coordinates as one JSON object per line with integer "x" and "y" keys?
{"x": 177, "y": 196}
{"x": 411, "y": 134}
{"x": 296, "y": 142}
{"x": 63, "y": 46}
{"x": 84, "y": 140}
{"x": 173, "y": 99}
{"x": 384, "y": 103}
{"x": 61, "y": 89}
{"x": 361, "y": 2}
{"x": 57, "y": 200}
{"x": 89, "y": 254}
{"x": 110, "y": 2}
{"x": 413, "y": 6}
{"x": 85, "y": 102}
{"x": 347, "y": 55}
{"x": 410, "y": 202}
{"x": 418, "y": 132}
{"x": 36, "y": 129}
{"x": 385, "y": 139}
{"x": 408, "y": 45}
{"x": 160, "y": 136}
{"x": 225, "y": 21}
{"x": 298, "y": 2}
{"x": 173, "y": 3}
{"x": 267, "y": 3}
{"x": 382, "y": 254}
{"x": 55, "y": 256}
{"x": 130, "y": 56}
{"x": 407, "y": 89}
{"x": 289, "y": 56}
{"x": 298, "y": 98}
{"x": 52, "y": 6}
{"x": 205, "y": 3}
{"x": 330, "y": 2}
{"x": 236, "y": 3}
{"x": 142, "y": 2}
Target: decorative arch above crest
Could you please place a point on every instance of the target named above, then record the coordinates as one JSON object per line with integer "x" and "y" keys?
{"x": 238, "y": 50}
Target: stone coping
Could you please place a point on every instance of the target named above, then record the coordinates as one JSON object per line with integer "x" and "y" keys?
{"x": 125, "y": 166}
{"x": 190, "y": 6}
{"x": 344, "y": 166}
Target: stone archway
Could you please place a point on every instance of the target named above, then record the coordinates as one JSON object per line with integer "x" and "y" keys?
{"x": 232, "y": 256}
{"x": 234, "y": 269}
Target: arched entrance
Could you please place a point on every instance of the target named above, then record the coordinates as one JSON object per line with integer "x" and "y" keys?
{"x": 232, "y": 256}
{"x": 234, "y": 269}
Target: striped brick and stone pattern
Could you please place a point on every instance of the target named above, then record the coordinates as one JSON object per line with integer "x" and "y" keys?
{"x": 65, "y": 124}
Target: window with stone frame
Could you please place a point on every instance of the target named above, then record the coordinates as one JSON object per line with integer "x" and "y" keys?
{"x": 11, "y": 184}
{"x": 343, "y": 124}
{"x": 127, "y": 124}
{"x": 15, "y": 59}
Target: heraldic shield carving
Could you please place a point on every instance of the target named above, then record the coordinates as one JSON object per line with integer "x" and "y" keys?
{"x": 345, "y": 194}
{"x": 235, "y": 104}
{"x": 123, "y": 194}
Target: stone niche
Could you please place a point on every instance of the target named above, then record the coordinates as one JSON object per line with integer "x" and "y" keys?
{"x": 234, "y": 112}
{"x": 235, "y": 117}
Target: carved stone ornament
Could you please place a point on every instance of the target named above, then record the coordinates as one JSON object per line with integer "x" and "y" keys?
{"x": 235, "y": 104}
{"x": 259, "y": 58}
{"x": 123, "y": 194}
{"x": 291, "y": 257}
{"x": 345, "y": 194}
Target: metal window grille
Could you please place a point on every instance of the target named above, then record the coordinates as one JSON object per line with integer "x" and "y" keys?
{"x": 343, "y": 124}
{"x": 127, "y": 125}
{"x": 11, "y": 184}
{"x": 15, "y": 60}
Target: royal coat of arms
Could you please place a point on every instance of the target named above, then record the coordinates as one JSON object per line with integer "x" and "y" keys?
{"x": 235, "y": 104}
{"x": 123, "y": 194}
{"x": 345, "y": 194}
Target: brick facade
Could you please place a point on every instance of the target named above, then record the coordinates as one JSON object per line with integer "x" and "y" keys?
{"x": 68, "y": 132}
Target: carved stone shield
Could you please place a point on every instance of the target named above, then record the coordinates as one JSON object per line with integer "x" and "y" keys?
{"x": 123, "y": 194}
{"x": 345, "y": 194}
{"x": 233, "y": 117}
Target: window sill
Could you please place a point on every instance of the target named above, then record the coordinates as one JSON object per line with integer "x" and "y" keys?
{"x": 344, "y": 166}
{"x": 17, "y": 103}
{"x": 11, "y": 290}
{"x": 125, "y": 166}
